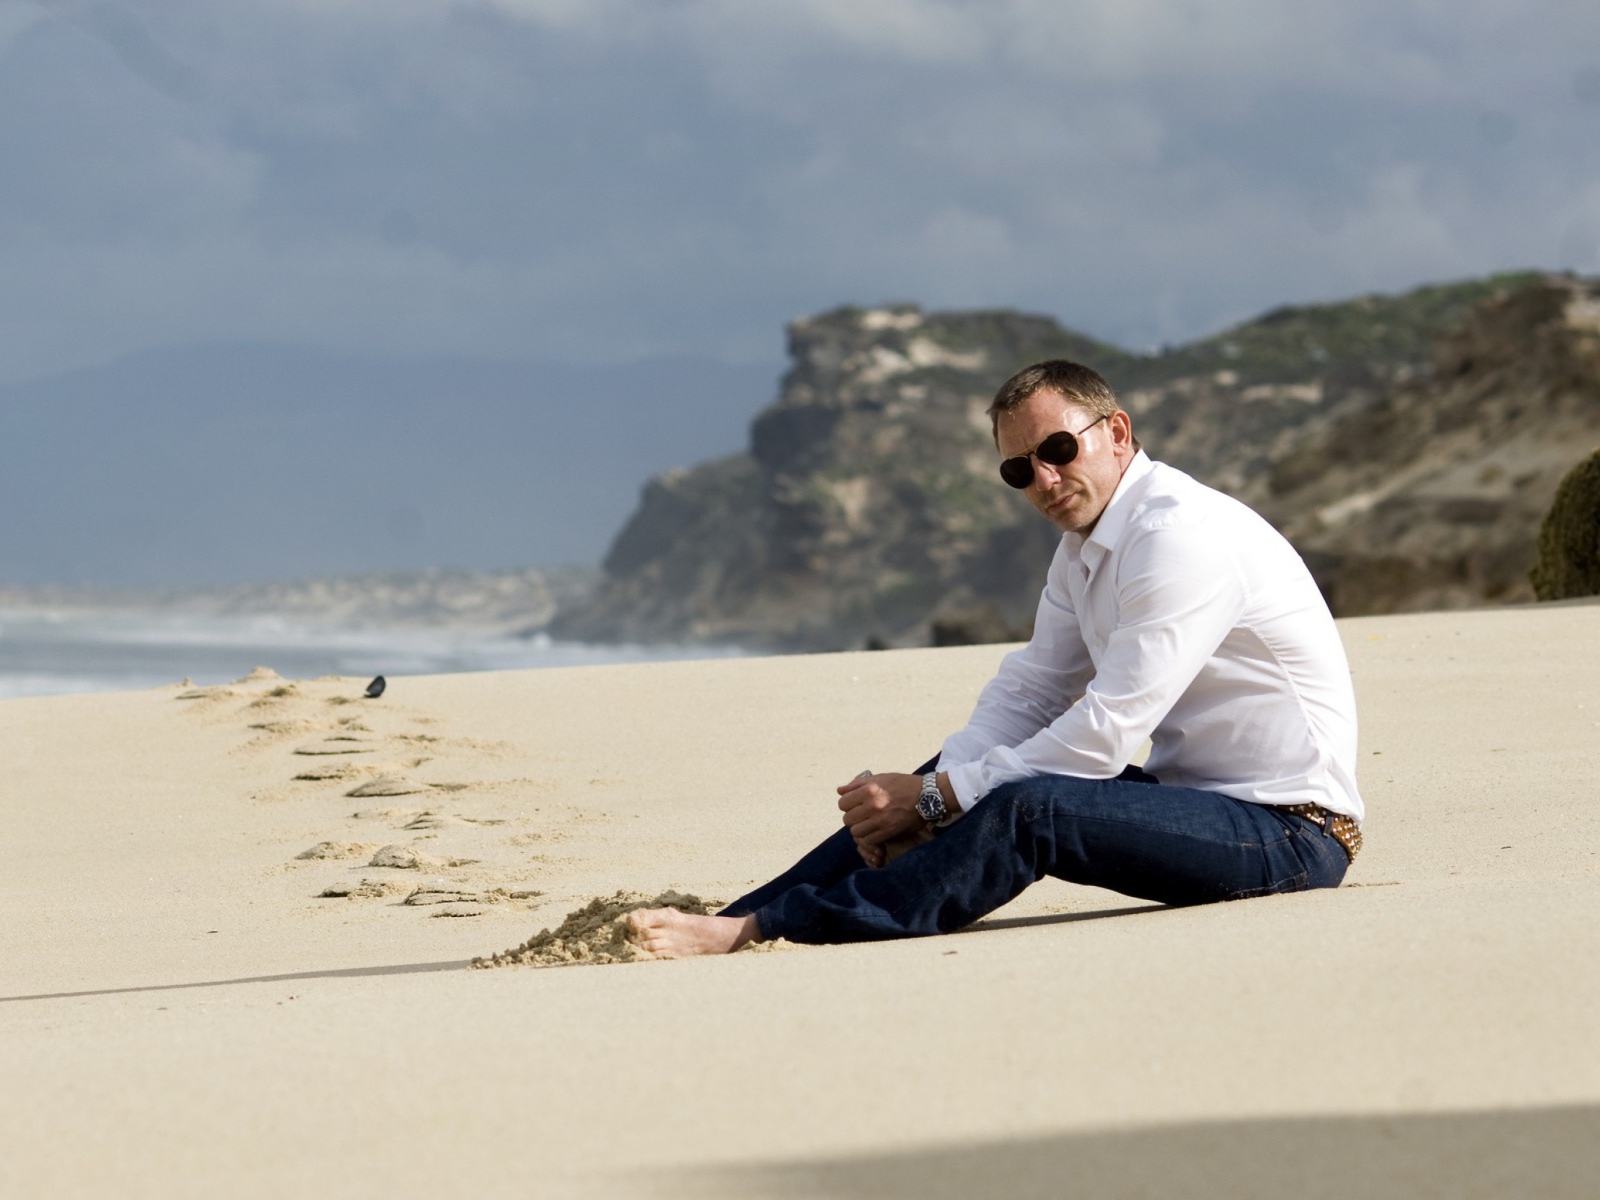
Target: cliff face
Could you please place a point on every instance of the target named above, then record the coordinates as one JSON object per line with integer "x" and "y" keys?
{"x": 1408, "y": 454}
{"x": 867, "y": 502}
{"x": 1432, "y": 497}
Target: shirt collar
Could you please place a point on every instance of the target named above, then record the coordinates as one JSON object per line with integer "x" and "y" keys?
{"x": 1119, "y": 510}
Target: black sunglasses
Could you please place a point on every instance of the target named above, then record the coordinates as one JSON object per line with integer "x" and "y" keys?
{"x": 1058, "y": 450}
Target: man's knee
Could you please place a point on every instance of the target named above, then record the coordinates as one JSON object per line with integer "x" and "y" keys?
{"x": 1043, "y": 795}
{"x": 1021, "y": 798}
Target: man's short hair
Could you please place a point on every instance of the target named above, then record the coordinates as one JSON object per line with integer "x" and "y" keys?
{"x": 1079, "y": 384}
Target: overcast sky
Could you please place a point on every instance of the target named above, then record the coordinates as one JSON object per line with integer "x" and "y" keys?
{"x": 598, "y": 180}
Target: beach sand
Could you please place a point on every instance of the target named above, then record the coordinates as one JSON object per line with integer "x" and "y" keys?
{"x": 183, "y": 1012}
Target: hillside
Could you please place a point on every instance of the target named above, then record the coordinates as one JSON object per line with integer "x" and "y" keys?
{"x": 1431, "y": 497}
{"x": 867, "y": 511}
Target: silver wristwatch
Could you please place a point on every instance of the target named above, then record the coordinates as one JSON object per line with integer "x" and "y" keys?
{"x": 930, "y": 801}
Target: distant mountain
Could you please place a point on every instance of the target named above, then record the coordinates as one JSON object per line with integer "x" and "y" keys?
{"x": 867, "y": 509}
{"x": 222, "y": 464}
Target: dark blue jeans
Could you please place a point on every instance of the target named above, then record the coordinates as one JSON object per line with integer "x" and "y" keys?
{"x": 1130, "y": 834}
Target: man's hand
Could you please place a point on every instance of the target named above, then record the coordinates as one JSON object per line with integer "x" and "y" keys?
{"x": 873, "y": 856}
{"x": 878, "y": 808}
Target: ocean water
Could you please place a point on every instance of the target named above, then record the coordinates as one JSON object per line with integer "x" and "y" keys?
{"x": 70, "y": 651}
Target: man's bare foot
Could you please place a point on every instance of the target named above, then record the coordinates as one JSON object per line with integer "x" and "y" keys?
{"x": 668, "y": 933}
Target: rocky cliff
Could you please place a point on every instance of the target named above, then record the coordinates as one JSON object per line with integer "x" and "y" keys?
{"x": 1432, "y": 496}
{"x": 1408, "y": 445}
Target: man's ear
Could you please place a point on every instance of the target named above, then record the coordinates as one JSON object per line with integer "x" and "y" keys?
{"x": 1121, "y": 431}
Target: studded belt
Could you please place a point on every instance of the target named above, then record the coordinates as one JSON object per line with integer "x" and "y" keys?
{"x": 1345, "y": 830}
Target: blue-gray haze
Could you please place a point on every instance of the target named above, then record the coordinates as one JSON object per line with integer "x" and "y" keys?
{"x": 318, "y": 285}
{"x": 237, "y": 463}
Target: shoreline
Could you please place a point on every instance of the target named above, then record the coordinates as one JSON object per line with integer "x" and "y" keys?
{"x": 78, "y": 652}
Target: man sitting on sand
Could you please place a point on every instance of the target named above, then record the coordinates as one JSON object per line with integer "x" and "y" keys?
{"x": 1171, "y": 612}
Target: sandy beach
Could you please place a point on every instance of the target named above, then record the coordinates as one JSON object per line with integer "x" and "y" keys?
{"x": 184, "y": 1012}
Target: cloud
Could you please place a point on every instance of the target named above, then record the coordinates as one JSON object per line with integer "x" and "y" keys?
{"x": 124, "y": 31}
{"x": 609, "y": 178}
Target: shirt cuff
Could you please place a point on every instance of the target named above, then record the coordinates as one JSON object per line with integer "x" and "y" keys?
{"x": 967, "y": 782}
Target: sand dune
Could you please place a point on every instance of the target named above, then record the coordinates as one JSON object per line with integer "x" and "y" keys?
{"x": 222, "y": 972}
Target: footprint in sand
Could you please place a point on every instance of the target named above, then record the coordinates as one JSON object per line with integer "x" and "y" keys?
{"x": 462, "y": 902}
{"x": 338, "y": 745}
{"x": 323, "y": 772}
{"x": 431, "y": 820}
{"x": 448, "y": 902}
{"x": 260, "y": 677}
{"x": 276, "y": 697}
{"x": 204, "y": 693}
{"x": 367, "y": 889}
{"x": 399, "y": 816}
{"x": 407, "y": 858}
{"x": 436, "y": 820}
{"x": 441, "y": 894}
{"x": 327, "y": 850}
{"x": 387, "y": 785}
{"x": 402, "y": 858}
{"x": 218, "y": 690}
{"x": 283, "y": 728}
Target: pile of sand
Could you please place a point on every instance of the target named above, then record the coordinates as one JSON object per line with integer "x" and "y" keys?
{"x": 595, "y": 933}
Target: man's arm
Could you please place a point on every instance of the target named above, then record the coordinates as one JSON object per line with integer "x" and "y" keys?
{"x": 1179, "y": 594}
{"x": 1034, "y": 685}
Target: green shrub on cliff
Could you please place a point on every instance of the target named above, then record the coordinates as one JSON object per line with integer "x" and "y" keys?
{"x": 1569, "y": 540}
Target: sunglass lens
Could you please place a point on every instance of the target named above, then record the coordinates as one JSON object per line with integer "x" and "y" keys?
{"x": 1018, "y": 472}
{"x": 1058, "y": 449}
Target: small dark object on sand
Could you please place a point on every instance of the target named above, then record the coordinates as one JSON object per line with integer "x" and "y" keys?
{"x": 375, "y": 688}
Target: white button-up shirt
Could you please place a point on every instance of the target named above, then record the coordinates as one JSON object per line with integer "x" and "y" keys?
{"x": 1183, "y": 618}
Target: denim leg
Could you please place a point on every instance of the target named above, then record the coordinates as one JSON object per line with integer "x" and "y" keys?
{"x": 1184, "y": 846}
{"x": 825, "y": 866}
{"x": 1173, "y": 845}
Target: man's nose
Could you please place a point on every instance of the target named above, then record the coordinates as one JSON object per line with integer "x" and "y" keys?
{"x": 1045, "y": 476}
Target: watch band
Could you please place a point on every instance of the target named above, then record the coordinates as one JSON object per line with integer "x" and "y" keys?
{"x": 930, "y": 801}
